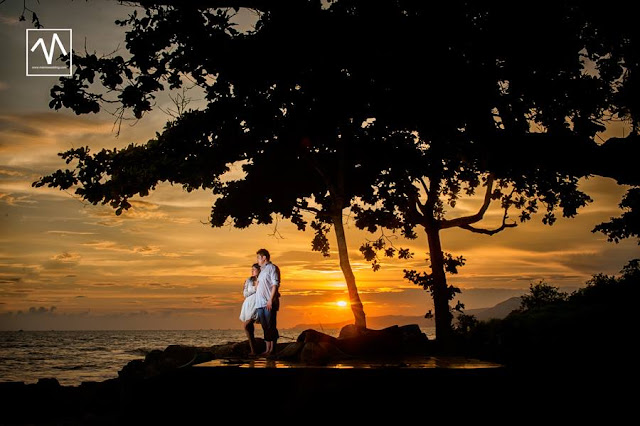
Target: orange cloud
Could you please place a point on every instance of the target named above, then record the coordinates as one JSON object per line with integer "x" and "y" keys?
{"x": 140, "y": 211}
{"x": 13, "y": 200}
{"x": 52, "y": 123}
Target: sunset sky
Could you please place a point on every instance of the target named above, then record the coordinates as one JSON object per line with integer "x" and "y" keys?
{"x": 66, "y": 264}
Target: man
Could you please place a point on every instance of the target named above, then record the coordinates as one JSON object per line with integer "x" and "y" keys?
{"x": 267, "y": 299}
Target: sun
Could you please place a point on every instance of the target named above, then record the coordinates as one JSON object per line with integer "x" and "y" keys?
{"x": 341, "y": 303}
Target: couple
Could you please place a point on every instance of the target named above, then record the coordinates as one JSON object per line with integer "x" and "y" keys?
{"x": 262, "y": 301}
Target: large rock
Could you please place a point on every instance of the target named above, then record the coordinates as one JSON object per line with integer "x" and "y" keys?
{"x": 236, "y": 349}
{"x": 320, "y": 353}
{"x": 372, "y": 343}
{"x": 133, "y": 370}
{"x": 414, "y": 341}
{"x": 390, "y": 341}
{"x": 350, "y": 330}
{"x": 157, "y": 362}
{"x": 291, "y": 351}
{"x": 176, "y": 356}
{"x": 311, "y": 347}
{"x": 311, "y": 335}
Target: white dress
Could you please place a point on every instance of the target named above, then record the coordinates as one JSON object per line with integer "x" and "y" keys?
{"x": 249, "y": 305}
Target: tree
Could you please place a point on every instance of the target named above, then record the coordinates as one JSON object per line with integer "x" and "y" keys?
{"x": 354, "y": 113}
{"x": 541, "y": 294}
{"x": 525, "y": 130}
{"x": 613, "y": 39}
{"x": 299, "y": 126}
{"x": 628, "y": 224}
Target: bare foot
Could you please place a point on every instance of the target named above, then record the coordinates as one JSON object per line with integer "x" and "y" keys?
{"x": 265, "y": 354}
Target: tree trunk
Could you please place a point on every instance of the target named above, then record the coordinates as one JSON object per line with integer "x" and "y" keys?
{"x": 345, "y": 265}
{"x": 440, "y": 293}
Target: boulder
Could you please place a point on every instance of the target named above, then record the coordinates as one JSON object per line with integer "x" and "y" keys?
{"x": 133, "y": 370}
{"x": 153, "y": 357}
{"x": 321, "y": 353}
{"x": 394, "y": 340}
{"x": 334, "y": 353}
{"x": 176, "y": 356}
{"x": 414, "y": 341}
{"x": 202, "y": 356}
{"x": 311, "y": 335}
{"x": 235, "y": 349}
{"x": 350, "y": 330}
{"x": 314, "y": 353}
{"x": 157, "y": 361}
{"x": 371, "y": 343}
{"x": 291, "y": 351}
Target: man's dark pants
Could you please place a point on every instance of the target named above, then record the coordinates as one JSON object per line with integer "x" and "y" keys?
{"x": 268, "y": 320}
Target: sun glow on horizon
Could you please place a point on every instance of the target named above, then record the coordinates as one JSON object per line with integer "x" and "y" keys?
{"x": 341, "y": 303}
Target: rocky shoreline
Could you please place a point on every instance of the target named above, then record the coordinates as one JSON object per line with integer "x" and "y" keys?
{"x": 311, "y": 348}
{"x": 164, "y": 388}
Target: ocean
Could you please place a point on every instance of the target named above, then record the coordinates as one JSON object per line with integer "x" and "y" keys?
{"x": 74, "y": 357}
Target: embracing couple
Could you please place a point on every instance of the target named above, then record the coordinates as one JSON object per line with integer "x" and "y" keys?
{"x": 262, "y": 301}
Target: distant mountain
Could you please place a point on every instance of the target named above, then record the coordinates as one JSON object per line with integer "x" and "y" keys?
{"x": 499, "y": 311}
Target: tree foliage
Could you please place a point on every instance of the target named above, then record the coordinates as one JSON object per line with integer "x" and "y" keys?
{"x": 592, "y": 325}
{"x": 628, "y": 224}
{"x": 541, "y": 294}
{"x": 523, "y": 130}
{"x": 396, "y": 109}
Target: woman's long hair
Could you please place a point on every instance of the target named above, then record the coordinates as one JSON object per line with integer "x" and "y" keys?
{"x": 256, "y": 266}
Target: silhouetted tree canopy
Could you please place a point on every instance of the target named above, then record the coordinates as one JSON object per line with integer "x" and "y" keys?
{"x": 628, "y": 224}
{"x": 537, "y": 91}
{"x": 394, "y": 109}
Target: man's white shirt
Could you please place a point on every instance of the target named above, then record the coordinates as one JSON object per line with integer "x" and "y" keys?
{"x": 269, "y": 276}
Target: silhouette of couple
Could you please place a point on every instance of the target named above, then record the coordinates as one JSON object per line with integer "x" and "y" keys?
{"x": 262, "y": 302}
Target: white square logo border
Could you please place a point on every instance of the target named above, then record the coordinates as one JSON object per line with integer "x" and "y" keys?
{"x": 52, "y": 47}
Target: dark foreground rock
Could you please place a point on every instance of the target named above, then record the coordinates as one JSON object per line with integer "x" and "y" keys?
{"x": 314, "y": 347}
{"x": 311, "y": 348}
{"x": 170, "y": 387}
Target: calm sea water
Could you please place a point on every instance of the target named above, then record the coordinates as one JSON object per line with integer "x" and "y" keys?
{"x": 74, "y": 357}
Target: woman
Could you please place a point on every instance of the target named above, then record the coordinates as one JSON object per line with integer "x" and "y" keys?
{"x": 248, "y": 314}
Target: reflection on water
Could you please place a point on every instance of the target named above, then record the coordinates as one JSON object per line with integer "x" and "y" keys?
{"x": 449, "y": 362}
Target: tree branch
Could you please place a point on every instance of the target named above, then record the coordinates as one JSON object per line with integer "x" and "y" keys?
{"x": 204, "y": 4}
{"x": 468, "y": 220}
{"x": 310, "y": 209}
{"x": 276, "y": 234}
{"x": 416, "y": 207}
{"x": 433, "y": 193}
{"x": 489, "y": 231}
{"x": 424, "y": 185}
{"x": 319, "y": 213}
{"x": 493, "y": 231}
